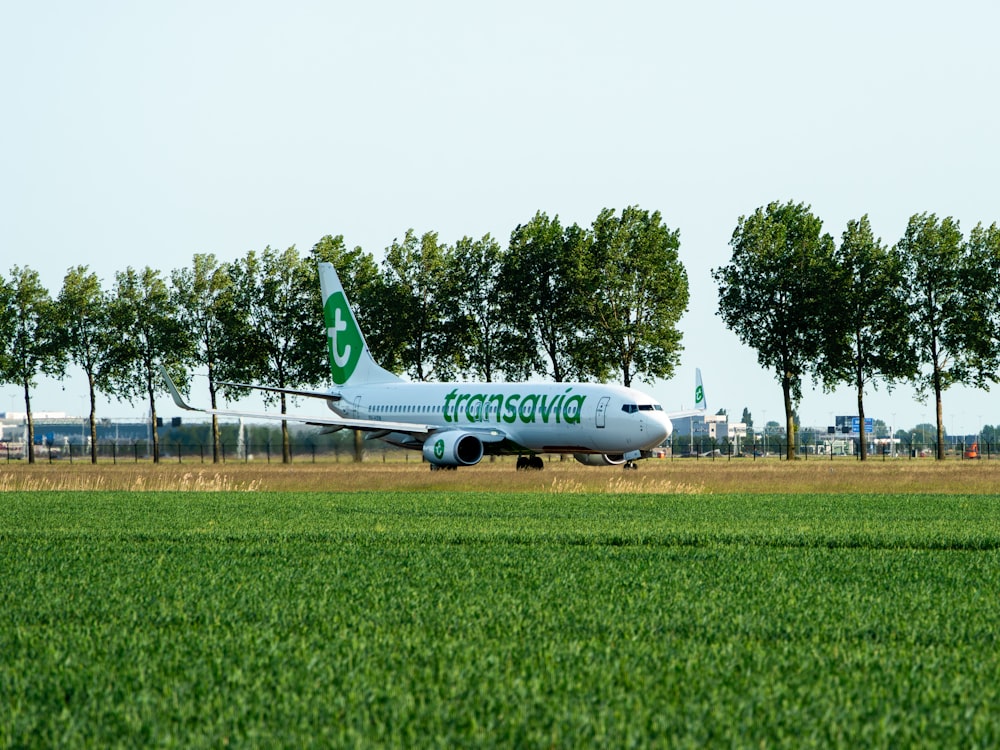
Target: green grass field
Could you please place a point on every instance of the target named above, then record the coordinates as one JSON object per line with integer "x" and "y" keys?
{"x": 474, "y": 618}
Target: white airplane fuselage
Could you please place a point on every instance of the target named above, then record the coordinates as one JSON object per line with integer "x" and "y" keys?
{"x": 536, "y": 417}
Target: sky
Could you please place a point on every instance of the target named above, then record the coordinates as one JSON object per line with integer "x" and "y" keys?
{"x": 139, "y": 134}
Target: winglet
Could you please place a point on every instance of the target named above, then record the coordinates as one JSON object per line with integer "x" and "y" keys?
{"x": 174, "y": 393}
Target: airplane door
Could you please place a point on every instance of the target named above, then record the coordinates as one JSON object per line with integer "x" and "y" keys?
{"x": 602, "y": 410}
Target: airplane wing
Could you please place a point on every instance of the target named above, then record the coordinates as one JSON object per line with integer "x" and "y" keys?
{"x": 407, "y": 428}
{"x": 326, "y": 395}
{"x": 672, "y": 415}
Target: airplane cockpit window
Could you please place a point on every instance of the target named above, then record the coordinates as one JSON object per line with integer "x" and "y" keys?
{"x": 630, "y": 408}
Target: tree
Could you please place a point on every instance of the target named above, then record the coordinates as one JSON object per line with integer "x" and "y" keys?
{"x": 989, "y": 435}
{"x": 636, "y": 290}
{"x": 204, "y": 299}
{"x": 982, "y": 298}
{"x": 280, "y": 343}
{"x": 81, "y": 312}
{"x": 949, "y": 341}
{"x": 145, "y": 317}
{"x": 30, "y": 343}
{"x": 542, "y": 299}
{"x": 924, "y": 434}
{"x": 423, "y": 309}
{"x": 867, "y": 337}
{"x": 775, "y": 293}
{"x": 492, "y": 346}
{"x": 747, "y": 419}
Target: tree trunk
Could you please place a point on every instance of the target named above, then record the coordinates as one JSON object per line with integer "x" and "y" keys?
{"x": 786, "y": 389}
{"x": 216, "y": 435}
{"x": 156, "y": 432}
{"x": 216, "y": 439}
{"x": 286, "y": 446}
{"x": 30, "y": 447}
{"x": 937, "y": 397}
{"x": 93, "y": 419}
{"x": 860, "y": 382}
{"x": 940, "y": 416}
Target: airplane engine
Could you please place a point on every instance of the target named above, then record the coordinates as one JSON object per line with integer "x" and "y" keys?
{"x": 600, "y": 459}
{"x": 453, "y": 448}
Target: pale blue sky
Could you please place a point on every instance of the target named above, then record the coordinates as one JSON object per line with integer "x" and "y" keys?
{"x": 141, "y": 133}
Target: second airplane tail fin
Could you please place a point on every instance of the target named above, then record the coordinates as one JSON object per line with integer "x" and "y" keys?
{"x": 699, "y": 392}
{"x": 700, "y": 402}
{"x": 351, "y": 362}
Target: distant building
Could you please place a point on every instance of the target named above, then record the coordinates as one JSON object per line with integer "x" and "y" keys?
{"x": 57, "y": 428}
{"x": 709, "y": 427}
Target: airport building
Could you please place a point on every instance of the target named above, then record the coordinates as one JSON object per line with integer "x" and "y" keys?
{"x": 59, "y": 430}
{"x": 713, "y": 429}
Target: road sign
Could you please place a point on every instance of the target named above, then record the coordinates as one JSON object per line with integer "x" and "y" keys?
{"x": 856, "y": 425}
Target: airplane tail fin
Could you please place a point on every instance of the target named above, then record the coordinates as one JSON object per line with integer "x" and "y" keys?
{"x": 699, "y": 392}
{"x": 351, "y": 362}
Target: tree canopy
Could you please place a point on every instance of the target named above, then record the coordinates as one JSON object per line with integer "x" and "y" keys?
{"x": 947, "y": 316}
{"x": 868, "y": 333}
{"x": 635, "y": 292}
{"x": 775, "y": 293}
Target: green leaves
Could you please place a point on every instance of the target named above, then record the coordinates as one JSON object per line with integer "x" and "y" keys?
{"x": 952, "y": 316}
{"x": 29, "y": 336}
{"x": 775, "y": 294}
{"x": 642, "y": 294}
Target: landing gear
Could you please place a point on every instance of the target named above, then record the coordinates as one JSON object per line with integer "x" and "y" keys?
{"x": 630, "y": 465}
{"x": 530, "y": 462}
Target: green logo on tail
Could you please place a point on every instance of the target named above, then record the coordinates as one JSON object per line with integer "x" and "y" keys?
{"x": 699, "y": 395}
{"x": 344, "y": 341}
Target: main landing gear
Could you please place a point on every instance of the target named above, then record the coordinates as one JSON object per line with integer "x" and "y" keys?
{"x": 630, "y": 465}
{"x": 530, "y": 462}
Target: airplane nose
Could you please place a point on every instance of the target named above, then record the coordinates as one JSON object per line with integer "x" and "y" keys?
{"x": 658, "y": 429}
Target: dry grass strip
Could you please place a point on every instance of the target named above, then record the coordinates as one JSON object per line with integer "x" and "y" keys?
{"x": 901, "y": 476}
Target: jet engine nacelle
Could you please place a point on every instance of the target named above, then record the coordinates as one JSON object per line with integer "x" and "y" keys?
{"x": 453, "y": 448}
{"x": 600, "y": 459}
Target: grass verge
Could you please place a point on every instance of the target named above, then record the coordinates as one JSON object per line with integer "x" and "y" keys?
{"x": 497, "y": 619}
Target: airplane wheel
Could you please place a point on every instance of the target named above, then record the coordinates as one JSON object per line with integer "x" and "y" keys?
{"x": 522, "y": 463}
{"x": 535, "y": 462}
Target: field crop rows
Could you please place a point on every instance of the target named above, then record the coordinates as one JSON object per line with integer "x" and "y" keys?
{"x": 443, "y": 619}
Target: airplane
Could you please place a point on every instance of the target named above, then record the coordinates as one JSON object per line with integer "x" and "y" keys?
{"x": 456, "y": 424}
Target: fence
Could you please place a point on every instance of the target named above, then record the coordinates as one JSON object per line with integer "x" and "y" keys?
{"x": 822, "y": 447}
{"x": 142, "y": 450}
{"x": 701, "y": 448}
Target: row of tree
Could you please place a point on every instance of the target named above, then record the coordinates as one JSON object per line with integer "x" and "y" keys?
{"x": 924, "y": 311}
{"x": 564, "y": 302}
